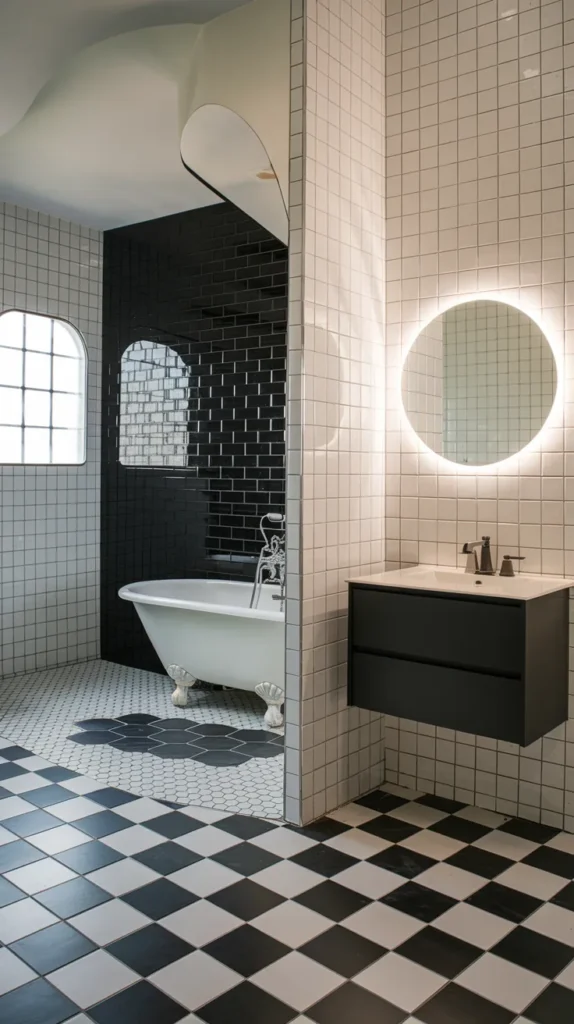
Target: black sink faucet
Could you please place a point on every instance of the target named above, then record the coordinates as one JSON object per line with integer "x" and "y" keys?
{"x": 472, "y": 565}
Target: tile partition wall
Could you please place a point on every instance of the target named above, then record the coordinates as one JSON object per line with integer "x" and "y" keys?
{"x": 480, "y": 176}
{"x": 336, "y": 379}
{"x": 49, "y": 515}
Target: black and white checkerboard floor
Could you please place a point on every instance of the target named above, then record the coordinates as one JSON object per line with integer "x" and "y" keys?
{"x": 396, "y": 909}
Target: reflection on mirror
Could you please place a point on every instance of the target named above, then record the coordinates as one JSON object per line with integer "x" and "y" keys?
{"x": 479, "y": 382}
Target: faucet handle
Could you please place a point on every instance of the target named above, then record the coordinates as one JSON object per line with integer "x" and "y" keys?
{"x": 507, "y": 568}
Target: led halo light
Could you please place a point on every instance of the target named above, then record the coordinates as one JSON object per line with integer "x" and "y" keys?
{"x": 555, "y": 410}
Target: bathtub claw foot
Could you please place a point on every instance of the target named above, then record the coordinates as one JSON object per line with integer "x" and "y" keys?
{"x": 274, "y": 697}
{"x": 183, "y": 681}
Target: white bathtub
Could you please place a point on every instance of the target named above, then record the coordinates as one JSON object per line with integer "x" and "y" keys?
{"x": 205, "y": 629}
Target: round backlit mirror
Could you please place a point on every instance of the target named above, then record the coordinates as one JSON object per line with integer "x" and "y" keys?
{"x": 479, "y": 382}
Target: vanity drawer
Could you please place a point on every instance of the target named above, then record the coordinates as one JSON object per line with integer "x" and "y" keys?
{"x": 453, "y": 698}
{"x": 477, "y": 634}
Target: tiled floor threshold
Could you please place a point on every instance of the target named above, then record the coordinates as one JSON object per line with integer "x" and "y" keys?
{"x": 117, "y": 909}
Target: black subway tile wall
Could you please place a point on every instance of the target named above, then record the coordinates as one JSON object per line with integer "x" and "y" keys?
{"x": 201, "y": 433}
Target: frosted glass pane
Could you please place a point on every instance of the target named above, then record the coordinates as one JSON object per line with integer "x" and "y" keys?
{"x": 10, "y": 366}
{"x": 64, "y": 342}
{"x": 38, "y": 332}
{"x": 65, "y": 410}
{"x": 12, "y": 329}
{"x": 37, "y": 370}
{"x": 37, "y": 408}
{"x": 10, "y": 405}
{"x": 67, "y": 446}
{"x": 36, "y": 445}
{"x": 66, "y": 374}
{"x": 10, "y": 444}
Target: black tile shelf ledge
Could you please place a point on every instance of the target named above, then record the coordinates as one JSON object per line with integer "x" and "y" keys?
{"x": 221, "y": 746}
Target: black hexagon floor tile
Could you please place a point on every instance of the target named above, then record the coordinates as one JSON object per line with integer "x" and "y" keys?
{"x": 136, "y": 730}
{"x": 175, "y": 723}
{"x": 221, "y": 758}
{"x": 174, "y": 736}
{"x": 176, "y": 750}
{"x": 254, "y": 735}
{"x": 137, "y": 719}
{"x": 213, "y": 730}
{"x": 97, "y": 724}
{"x": 89, "y": 738}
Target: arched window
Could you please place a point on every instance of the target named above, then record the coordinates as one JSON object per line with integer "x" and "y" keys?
{"x": 42, "y": 391}
{"x": 154, "y": 396}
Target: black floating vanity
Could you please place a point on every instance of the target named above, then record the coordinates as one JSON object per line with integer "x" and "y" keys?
{"x": 460, "y": 651}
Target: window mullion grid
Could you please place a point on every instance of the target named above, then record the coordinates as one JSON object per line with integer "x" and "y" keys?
{"x": 51, "y": 396}
{"x": 23, "y": 391}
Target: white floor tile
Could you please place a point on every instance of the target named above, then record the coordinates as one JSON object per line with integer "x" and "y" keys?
{"x": 502, "y": 982}
{"x": 473, "y": 925}
{"x": 33, "y": 763}
{"x": 384, "y": 925}
{"x": 369, "y": 880}
{"x": 81, "y": 785}
{"x": 93, "y": 978}
{"x": 555, "y": 922}
{"x": 141, "y": 810}
{"x": 123, "y": 876}
{"x": 506, "y": 845}
{"x": 566, "y": 977}
{"x": 6, "y": 836}
{"x": 480, "y": 815}
{"x": 205, "y": 877}
{"x": 200, "y": 923}
{"x": 353, "y": 814}
{"x": 287, "y": 879}
{"x": 58, "y": 839}
{"x": 25, "y": 783}
{"x": 109, "y": 921}
{"x": 13, "y": 806}
{"x": 287, "y": 924}
{"x": 358, "y": 844}
{"x": 540, "y": 884}
{"x": 133, "y": 840}
{"x": 400, "y": 981}
{"x": 206, "y": 814}
{"x": 207, "y": 841}
{"x": 41, "y": 875}
{"x": 313, "y": 983}
{"x": 13, "y": 972}
{"x": 284, "y": 842}
{"x": 432, "y": 844}
{"x": 451, "y": 881}
{"x": 23, "y": 918}
{"x": 564, "y": 841}
{"x": 417, "y": 814}
{"x": 196, "y": 979}
{"x": 73, "y": 810}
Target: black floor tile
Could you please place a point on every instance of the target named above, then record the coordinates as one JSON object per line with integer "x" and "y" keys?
{"x": 175, "y": 723}
{"x": 508, "y": 903}
{"x": 110, "y": 797}
{"x": 216, "y": 742}
{"x": 167, "y": 857}
{"x": 218, "y": 758}
{"x": 351, "y": 1003}
{"x": 29, "y": 824}
{"x": 246, "y": 950}
{"x": 73, "y": 897}
{"x": 47, "y": 796}
{"x": 245, "y": 858}
{"x": 211, "y": 729}
{"x": 444, "y": 954}
{"x": 9, "y": 893}
{"x": 564, "y": 898}
{"x": 535, "y": 952}
{"x": 531, "y": 830}
{"x": 102, "y": 823}
{"x": 246, "y": 1002}
{"x": 402, "y": 861}
{"x": 141, "y": 1004}
{"x": 382, "y": 802}
{"x": 173, "y": 824}
{"x": 251, "y": 735}
{"x": 246, "y": 899}
{"x": 97, "y": 724}
{"x": 137, "y": 719}
{"x": 10, "y": 771}
{"x": 260, "y": 749}
{"x": 53, "y": 947}
{"x": 15, "y": 753}
{"x": 480, "y": 862}
{"x": 390, "y": 828}
{"x": 135, "y": 744}
{"x": 136, "y": 731}
{"x": 91, "y": 739}
{"x": 56, "y": 774}
{"x": 456, "y": 1005}
{"x": 150, "y": 949}
{"x": 243, "y": 827}
{"x": 5, "y": 793}
{"x": 17, "y": 855}
{"x": 343, "y": 951}
{"x": 440, "y": 803}
{"x": 554, "y": 1006}
{"x": 332, "y": 900}
{"x": 36, "y": 1003}
{"x": 460, "y": 828}
{"x": 418, "y": 901}
{"x": 171, "y": 736}
{"x": 555, "y": 861}
{"x": 321, "y": 830}
{"x": 159, "y": 898}
{"x": 88, "y": 857}
{"x": 324, "y": 860}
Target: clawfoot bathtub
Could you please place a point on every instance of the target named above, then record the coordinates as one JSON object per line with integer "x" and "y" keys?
{"x": 205, "y": 629}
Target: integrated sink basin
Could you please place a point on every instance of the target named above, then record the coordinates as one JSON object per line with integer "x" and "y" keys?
{"x": 522, "y": 587}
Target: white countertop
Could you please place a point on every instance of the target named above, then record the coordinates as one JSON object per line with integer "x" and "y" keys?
{"x": 522, "y": 587}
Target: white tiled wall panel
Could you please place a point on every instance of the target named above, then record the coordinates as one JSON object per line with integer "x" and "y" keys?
{"x": 480, "y": 185}
{"x": 336, "y": 378}
{"x": 49, "y": 515}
